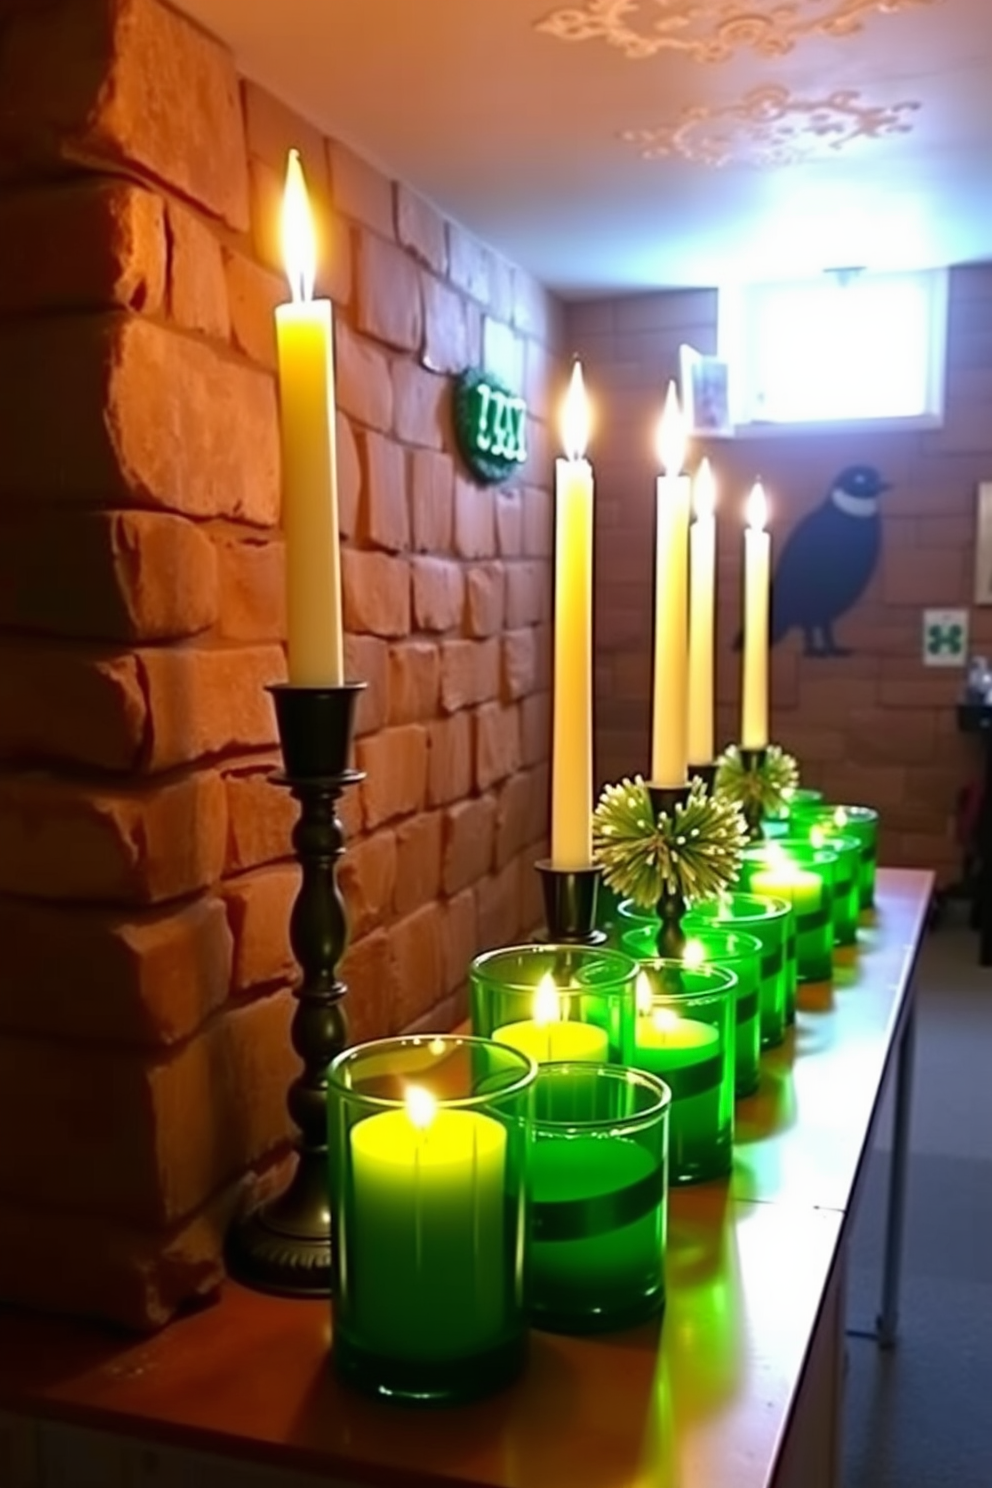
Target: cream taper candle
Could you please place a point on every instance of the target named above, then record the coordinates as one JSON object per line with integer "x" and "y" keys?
{"x": 671, "y": 619}
{"x": 702, "y": 573}
{"x": 309, "y": 463}
{"x": 757, "y": 565}
{"x": 571, "y": 764}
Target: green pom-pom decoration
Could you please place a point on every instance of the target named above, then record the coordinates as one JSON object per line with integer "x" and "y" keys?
{"x": 694, "y": 851}
{"x": 763, "y": 789}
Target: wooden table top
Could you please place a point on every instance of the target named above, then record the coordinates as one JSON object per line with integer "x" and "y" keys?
{"x": 699, "y": 1398}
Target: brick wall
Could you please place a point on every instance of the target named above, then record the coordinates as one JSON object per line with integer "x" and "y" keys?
{"x": 876, "y": 727}
{"x": 145, "y": 874}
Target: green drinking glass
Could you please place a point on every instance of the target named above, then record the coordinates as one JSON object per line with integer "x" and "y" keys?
{"x": 740, "y": 952}
{"x": 556, "y": 1002}
{"x": 684, "y": 1034}
{"x": 598, "y": 1187}
{"x": 428, "y": 1142}
{"x": 852, "y": 821}
{"x": 794, "y": 869}
{"x": 773, "y": 923}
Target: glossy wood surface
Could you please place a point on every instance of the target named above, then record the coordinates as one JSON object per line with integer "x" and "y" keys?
{"x": 700, "y": 1400}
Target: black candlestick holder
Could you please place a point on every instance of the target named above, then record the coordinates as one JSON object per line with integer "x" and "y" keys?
{"x": 753, "y": 761}
{"x": 671, "y": 904}
{"x": 570, "y": 896}
{"x": 706, "y": 773}
{"x": 284, "y": 1246}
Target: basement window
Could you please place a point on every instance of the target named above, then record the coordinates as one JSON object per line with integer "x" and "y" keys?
{"x": 845, "y": 347}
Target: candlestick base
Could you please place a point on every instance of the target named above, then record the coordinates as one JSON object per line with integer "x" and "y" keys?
{"x": 570, "y": 896}
{"x": 753, "y": 761}
{"x": 671, "y": 904}
{"x": 284, "y": 1246}
{"x": 706, "y": 773}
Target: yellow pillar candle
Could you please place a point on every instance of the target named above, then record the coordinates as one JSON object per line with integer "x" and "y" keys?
{"x": 547, "y": 1036}
{"x": 571, "y": 770}
{"x": 754, "y": 687}
{"x": 309, "y": 464}
{"x": 671, "y": 619}
{"x": 702, "y": 573}
{"x": 427, "y": 1213}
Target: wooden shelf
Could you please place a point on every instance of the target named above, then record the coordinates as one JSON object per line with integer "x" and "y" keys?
{"x": 704, "y": 1398}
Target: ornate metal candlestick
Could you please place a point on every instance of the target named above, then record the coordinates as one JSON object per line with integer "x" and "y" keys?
{"x": 671, "y": 904}
{"x": 570, "y": 896}
{"x": 753, "y": 761}
{"x": 285, "y": 1245}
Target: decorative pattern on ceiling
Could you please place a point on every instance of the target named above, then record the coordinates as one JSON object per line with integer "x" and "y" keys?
{"x": 713, "y": 30}
{"x": 770, "y": 126}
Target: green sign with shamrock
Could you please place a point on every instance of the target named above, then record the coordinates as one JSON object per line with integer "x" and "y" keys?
{"x": 945, "y": 637}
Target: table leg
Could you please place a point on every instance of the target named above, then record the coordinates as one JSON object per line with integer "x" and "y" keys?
{"x": 887, "y": 1322}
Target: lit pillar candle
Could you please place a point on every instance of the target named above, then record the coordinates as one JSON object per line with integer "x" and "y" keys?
{"x": 702, "y": 570}
{"x": 571, "y": 769}
{"x": 754, "y": 687}
{"x": 671, "y": 618}
{"x": 547, "y": 1037}
{"x": 686, "y": 1054}
{"x": 427, "y": 1215}
{"x": 309, "y": 466}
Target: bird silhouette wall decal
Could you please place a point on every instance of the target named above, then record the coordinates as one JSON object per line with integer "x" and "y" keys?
{"x": 827, "y": 561}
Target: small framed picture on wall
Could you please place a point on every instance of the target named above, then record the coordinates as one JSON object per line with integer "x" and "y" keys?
{"x": 705, "y": 393}
{"x": 983, "y": 545}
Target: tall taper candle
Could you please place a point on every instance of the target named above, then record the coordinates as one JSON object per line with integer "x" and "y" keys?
{"x": 702, "y": 570}
{"x": 309, "y": 464}
{"x": 571, "y": 766}
{"x": 671, "y": 618}
{"x": 757, "y": 563}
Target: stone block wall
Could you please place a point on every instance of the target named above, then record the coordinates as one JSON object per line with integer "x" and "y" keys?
{"x": 145, "y": 867}
{"x": 876, "y": 727}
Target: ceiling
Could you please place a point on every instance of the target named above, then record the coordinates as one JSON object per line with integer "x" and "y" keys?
{"x": 618, "y": 145}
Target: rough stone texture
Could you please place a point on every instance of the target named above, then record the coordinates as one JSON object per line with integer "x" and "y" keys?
{"x": 146, "y": 980}
{"x": 414, "y": 682}
{"x": 367, "y": 880}
{"x": 387, "y": 299}
{"x": 432, "y": 497}
{"x": 364, "y": 385}
{"x": 469, "y": 838}
{"x": 475, "y": 520}
{"x": 376, "y": 593}
{"x": 360, "y": 191}
{"x": 449, "y": 775}
{"x": 367, "y": 972}
{"x": 460, "y": 938}
{"x": 107, "y": 576}
{"x": 258, "y": 911}
{"x": 486, "y": 600}
{"x": 469, "y": 673}
{"x": 261, "y": 815}
{"x": 71, "y": 706}
{"x": 252, "y": 585}
{"x": 422, "y": 406}
{"x": 349, "y": 467}
{"x": 469, "y": 263}
{"x": 118, "y": 258}
{"x": 208, "y": 701}
{"x": 366, "y": 659}
{"x": 449, "y": 343}
{"x": 127, "y": 1136}
{"x": 519, "y": 662}
{"x": 61, "y": 840}
{"x": 101, "y": 409}
{"x": 395, "y": 763}
{"x": 418, "y": 862}
{"x": 197, "y": 281}
{"x": 272, "y": 130}
{"x": 416, "y": 954}
{"x": 252, "y": 296}
{"x": 497, "y": 743}
{"x": 421, "y": 229}
{"x": 114, "y": 81}
{"x": 386, "y": 520}
{"x": 438, "y": 593}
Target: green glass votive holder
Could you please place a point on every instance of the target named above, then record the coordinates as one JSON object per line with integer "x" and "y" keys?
{"x": 796, "y": 870}
{"x": 740, "y": 953}
{"x": 851, "y": 821}
{"x": 802, "y": 797}
{"x": 684, "y": 1034}
{"x": 428, "y": 1147}
{"x": 847, "y": 883}
{"x": 556, "y": 1002}
{"x": 598, "y": 1191}
{"x": 772, "y": 922}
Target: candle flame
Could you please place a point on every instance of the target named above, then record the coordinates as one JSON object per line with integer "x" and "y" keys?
{"x": 671, "y": 433}
{"x": 421, "y": 1107}
{"x": 643, "y": 995}
{"x": 547, "y": 1003}
{"x": 757, "y": 508}
{"x": 575, "y": 416}
{"x": 840, "y": 817}
{"x": 694, "y": 955}
{"x": 704, "y": 491}
{"x": 665, "y": 1020}
{"x": 299, "y": 243}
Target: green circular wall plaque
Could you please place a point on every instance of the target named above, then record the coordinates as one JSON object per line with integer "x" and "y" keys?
{"x": 490, "y": 426}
